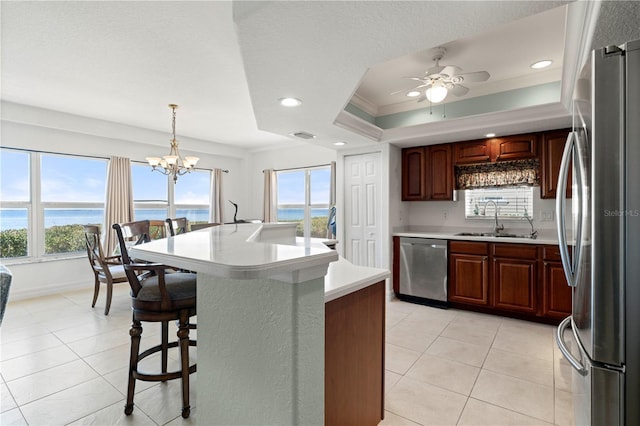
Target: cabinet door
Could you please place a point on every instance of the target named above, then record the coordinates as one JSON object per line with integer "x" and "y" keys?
{"x": 519, "y": 147}
{"x": 469, "y": 279}
{"x": 439, "y": 173}
{"x": 552, "y": 146}
{"x": 414, "y": 174}
{"x": 556, "y": 293}
{"x": 472, "y": 152}
{"x": 514, "y": 284}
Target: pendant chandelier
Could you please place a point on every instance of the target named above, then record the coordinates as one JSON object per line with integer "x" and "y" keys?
{"x": 173, "y": 164}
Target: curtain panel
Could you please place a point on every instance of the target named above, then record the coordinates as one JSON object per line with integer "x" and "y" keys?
{"x": 119, "y": 199}
{"x": 491, "y": 175}
{"x": 269, "y": 213}
{"x": 216, "y": 213}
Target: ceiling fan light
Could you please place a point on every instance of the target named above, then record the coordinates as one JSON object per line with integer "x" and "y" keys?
{"x": 436, "y": 93}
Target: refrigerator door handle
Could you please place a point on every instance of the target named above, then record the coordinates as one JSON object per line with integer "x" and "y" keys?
{"x": 563, "y": 347}
{"x": 561, "y": 207}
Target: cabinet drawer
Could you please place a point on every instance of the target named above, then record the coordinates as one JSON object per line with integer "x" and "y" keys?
{"x": 469, "y": 247}
{"x": 516, "y": 251}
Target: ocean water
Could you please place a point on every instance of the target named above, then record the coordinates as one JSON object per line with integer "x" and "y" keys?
{"x": 17, "y": 218}
{"x": 298, "y": 214}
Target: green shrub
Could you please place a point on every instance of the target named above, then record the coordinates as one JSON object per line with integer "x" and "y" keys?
{"x": 13, "y": 243}
{"x": 64, "y": 239}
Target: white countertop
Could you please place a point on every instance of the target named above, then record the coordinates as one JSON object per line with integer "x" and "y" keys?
{"x": 343, "y": 277}
{"x": 233, "y": 251}
{"x": 237, "y": 251}
{"x": 545, "y": 236}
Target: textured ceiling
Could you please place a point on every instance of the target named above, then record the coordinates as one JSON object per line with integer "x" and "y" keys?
{"x": 225, "y": 63}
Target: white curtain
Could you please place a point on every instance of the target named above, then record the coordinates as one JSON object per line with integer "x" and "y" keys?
{"x": 119, "y": 199}
{"x": 216, "y": 214}
{"x": 269, "y": 200}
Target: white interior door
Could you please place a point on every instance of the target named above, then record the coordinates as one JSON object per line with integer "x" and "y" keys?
{"x": 362, "y": 193}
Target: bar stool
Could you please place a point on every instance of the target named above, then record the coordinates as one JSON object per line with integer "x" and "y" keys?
{"x": 157, "y": 296}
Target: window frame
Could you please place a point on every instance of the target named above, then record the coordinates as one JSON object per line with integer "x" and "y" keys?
{"x": 307, "y": 206}
{"x": 35, "y": 207}
{"x": 481, "y": 217}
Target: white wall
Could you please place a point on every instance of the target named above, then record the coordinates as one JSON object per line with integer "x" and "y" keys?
{"x": 451, "y": 213}
{"x": 52, "y": 131}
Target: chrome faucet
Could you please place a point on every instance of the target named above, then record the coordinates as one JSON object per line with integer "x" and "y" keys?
{"x": 497, "y": 228}
{"x": 534, "y": 233}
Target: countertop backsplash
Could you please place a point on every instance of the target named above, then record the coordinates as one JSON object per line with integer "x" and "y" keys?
{"x": 451, "y": 214}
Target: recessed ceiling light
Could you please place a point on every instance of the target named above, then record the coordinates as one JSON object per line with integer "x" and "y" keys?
{"x": 339, "y": 143}
{"x": 290, "y": 102}
{"x": 490, "y": 135}
{"x": 413, "y": 94}
{"x": 541, "y": 64}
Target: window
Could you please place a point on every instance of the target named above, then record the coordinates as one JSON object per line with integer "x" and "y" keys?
{"x": 150, "y": 193}
{"x": 303, "y": 197}
{"x": 191, "y": 197}
{"x": 511, "y": 203}
{"x": 46, "y": 198}
{"x": 72, "y": 194}
{"x": 15, "y": 203}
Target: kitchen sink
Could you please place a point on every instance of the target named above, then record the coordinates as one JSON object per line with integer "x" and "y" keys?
{"x": 492, "y": 234}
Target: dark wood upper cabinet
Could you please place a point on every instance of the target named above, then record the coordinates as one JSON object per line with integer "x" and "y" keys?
{"x": 439, "y": 173}
{"x": 427, "y": 173}
{"x": 508, "y": 148}
{"x": 518, "y": 147}
{"x": 414, "y": 174}
{"x": 552, "y": 147}
{"x": 472, "y": 152}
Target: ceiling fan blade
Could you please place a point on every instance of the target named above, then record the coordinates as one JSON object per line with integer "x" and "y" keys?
{"x": 416, "y": 78}
{"x": 422, "y": 98}
{"x": 459, "y": 90}
{"x": 450, "y": 70}
{"x": 475, "y": 76}
{"x": 410, "y": 89}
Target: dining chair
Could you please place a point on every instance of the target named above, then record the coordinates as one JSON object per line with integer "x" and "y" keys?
{"x": 177, "y": 226}
{"x": 196, "y": 226}
{"x": 157, "y": 296}
{"x": 106, "y": 269}
{"x": 157, "y": 229}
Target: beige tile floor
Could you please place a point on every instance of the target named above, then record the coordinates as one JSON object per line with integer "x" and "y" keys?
{"x": 63, "y": 362}
{"x": 452, "y": 367}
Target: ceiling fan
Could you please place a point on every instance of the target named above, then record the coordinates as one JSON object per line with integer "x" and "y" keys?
{"x": 440, "y": 80}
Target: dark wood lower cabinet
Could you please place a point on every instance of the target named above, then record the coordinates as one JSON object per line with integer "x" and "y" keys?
{"x": 354, "y": 357}
{"x": 520, "y": 280}
{"x": 515, "y": 282}
{"x": 469, "y": 279}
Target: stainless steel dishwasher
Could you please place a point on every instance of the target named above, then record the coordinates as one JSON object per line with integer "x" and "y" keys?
{"x": 423, "y": 271}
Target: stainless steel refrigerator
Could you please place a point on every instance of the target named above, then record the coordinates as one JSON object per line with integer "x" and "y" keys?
{"x": 601, "y": 256}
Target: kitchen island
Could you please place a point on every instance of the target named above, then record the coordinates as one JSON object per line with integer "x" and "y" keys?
{"x": 261, "y": 323}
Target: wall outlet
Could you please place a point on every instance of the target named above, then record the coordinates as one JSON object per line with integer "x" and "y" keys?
{"x": 546, "y": 216}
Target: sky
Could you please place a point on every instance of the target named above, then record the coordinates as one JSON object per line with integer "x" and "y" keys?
{"x": 78, "y": 179}
{"x": 291, "y": 186}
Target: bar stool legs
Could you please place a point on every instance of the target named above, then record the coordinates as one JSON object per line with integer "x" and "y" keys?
{"x": 183, "y": 374}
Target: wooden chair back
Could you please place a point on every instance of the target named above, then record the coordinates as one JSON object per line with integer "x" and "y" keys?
{"x": 129, "y": 234}
{"x": 177, "y": 226}
{"x": 94, "y": 248}
{"x": 196, "y": 226}
{"x": 157, "y": 229}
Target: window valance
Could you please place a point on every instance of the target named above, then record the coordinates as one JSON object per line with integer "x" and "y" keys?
{"x": 505, "y": 173}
